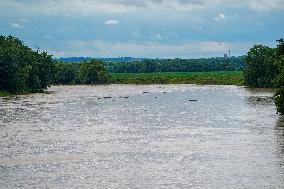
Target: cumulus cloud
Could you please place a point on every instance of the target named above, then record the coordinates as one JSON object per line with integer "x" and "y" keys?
{"x": 220, "y": 17}
{"x": 112, "y": 22}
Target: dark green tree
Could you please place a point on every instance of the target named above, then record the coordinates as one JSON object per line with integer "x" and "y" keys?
{"x": 66, "y": 73}
{"x": 279, "y": 81}
{"x": 22, "y": 69}
{"x": 260, "y": 70}
{"x": 93, "y": 72}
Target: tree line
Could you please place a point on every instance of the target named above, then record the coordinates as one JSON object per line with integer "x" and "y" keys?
{"x": 265, "y": 68}
{"x": 92, "y": 72}
{"x": 178, "y": 65}
{"x": 24, "y": 70}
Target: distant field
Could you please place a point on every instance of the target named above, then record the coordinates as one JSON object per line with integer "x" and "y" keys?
{"x": 201, "y": 78}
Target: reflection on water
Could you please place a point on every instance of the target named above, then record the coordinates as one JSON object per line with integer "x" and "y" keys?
{"x": 124, "y": 136}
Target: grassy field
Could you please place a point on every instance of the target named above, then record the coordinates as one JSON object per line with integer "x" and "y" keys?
{"x": 200, "y": 78}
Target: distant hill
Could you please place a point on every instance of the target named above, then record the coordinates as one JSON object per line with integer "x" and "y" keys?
{"x": 82, "y": 59}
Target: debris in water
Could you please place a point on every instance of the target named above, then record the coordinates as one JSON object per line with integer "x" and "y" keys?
{"x": 124, "y": 97}
{"x": 106, "y": 97}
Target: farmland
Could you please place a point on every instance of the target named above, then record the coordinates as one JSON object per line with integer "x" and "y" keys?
{"x": 200, "y": 78}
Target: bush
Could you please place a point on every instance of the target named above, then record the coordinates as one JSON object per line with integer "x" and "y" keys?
{"x": 260, "y": 70}
{"x": 93, "y": 72}
{"x": 22, "y": 69}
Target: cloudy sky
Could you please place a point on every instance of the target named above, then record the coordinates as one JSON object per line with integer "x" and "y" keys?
{"x": 143, "y": 28}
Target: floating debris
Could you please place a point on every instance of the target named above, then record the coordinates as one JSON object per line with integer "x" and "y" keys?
{"x": 107, "y": 97}
{"x": 124, "y": 97}
{"x": 193, "y": 100}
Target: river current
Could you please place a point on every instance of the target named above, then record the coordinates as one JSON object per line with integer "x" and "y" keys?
{"x": 148, "y": 136}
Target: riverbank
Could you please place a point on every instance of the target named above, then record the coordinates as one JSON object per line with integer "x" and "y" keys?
{"x": 4, "y": 93}
{"x": 199, "y": 78}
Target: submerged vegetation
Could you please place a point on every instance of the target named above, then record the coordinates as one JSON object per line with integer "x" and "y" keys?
{"x": 265, "y": 68}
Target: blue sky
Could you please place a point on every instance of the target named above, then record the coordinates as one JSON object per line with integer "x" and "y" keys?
{"x": 143, "y": 28}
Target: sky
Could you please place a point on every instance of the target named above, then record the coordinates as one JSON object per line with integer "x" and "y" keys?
{"x": 143, "y": 28}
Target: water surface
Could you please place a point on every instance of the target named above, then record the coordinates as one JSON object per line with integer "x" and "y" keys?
{"x": 127, "y": 136}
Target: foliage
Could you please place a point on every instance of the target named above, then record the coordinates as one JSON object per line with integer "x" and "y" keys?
{"x": 279, "y": 100}
{"x": 203, "y": 78}
{"x": 66, "y": 73}
{"x": 93, "y": 72}
{"x": 177, "y": 65}
{"x": 260, "y": 70}
{"x": 279, "y": 81}
{"x": 265, "y": 68}
{"x": 4, "y": 93}
{"x": 22, "y": 69}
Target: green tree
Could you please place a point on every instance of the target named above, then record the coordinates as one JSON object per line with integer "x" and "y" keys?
{"x": 260, "y": 70}
{"x": 279, "y": 81}
{"x": 21, "y": 68}
{"x": 65, "y": 73}
{"x": 93, "y": 72}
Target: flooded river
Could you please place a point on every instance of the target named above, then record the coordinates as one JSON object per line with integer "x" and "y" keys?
{"x": 156, "y": 136}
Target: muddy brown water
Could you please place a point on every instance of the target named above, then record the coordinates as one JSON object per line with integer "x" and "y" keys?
{"x": 155, "y": 136}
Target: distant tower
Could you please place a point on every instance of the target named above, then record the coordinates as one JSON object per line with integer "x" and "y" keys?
{"x": 225, "y": 56}
{"x": 229, "y": 53}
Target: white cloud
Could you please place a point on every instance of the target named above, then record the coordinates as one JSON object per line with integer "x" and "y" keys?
{"x": 267, "y": 5}
{"x": 220, "y": 17}
{"x": 17, "y": 25}
{"x": 112, "y": 22}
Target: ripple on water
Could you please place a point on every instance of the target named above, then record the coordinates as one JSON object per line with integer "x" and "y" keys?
{"x": 127, "y": 136}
